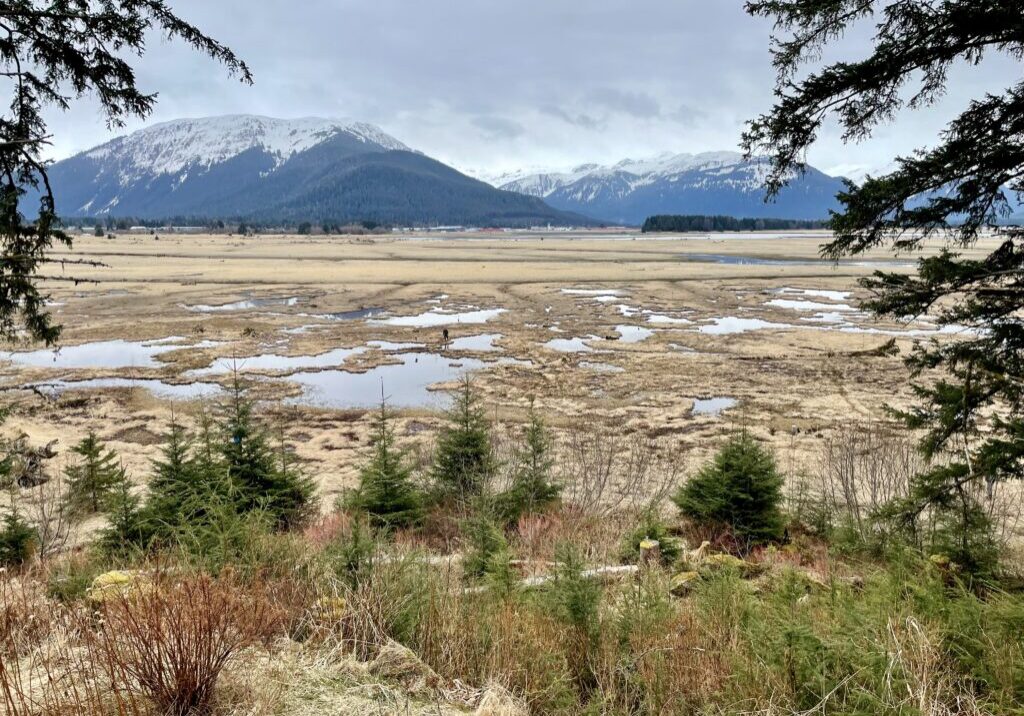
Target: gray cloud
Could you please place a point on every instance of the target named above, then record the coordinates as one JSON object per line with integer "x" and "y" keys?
{"x": 489, "y": 84}
{"x": 688, "y": 115}
{"x": 635, "y": 104}
{"x": 499, "y": 127}
{"x": 578, "y": 120}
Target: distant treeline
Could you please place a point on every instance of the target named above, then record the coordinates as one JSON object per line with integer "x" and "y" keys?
{"x": 698, "y": 222}
{"x": 123, "y": 223}
{"x": 236, "y": 225}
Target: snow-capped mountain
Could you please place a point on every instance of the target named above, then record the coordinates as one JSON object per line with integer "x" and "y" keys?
{"x": 198, "y": 144}
{"x": 714, "y": 183}
{"x": 280, "y": 170}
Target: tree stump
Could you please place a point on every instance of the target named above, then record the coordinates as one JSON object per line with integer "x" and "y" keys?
{"x": 650, "y": 552}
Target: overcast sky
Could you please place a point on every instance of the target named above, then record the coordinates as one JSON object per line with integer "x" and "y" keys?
{"x": 497, "y": 85}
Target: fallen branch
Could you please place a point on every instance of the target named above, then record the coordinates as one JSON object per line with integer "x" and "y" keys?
{"x": 606, "y": 573}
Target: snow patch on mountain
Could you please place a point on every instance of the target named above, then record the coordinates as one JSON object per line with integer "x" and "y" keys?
{"x": 630, "y": 190}
{"x": 633, "y": 173}
{"x": 171, "y": 147}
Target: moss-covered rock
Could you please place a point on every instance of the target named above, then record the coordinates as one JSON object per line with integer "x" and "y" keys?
{"x": 117, "y": 585}
{"x": 727, "y": 561}
{"x": 683, "y": 583}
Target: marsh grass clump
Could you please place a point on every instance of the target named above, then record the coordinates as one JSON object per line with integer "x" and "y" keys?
{"x": 68, "y": 579}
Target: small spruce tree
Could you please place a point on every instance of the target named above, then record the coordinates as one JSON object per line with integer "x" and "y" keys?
{"x": 575, "y": 601}
{"x": 464, "y": 461}
{"x": 386, "y": 492}
{"x": 739, "y": 490}
{"x": 173, "y": 482}
{"x": 93, "y": 478}
{"x": 532, "y": 488}
{"x": 18, "y": 540}
{"x": 206, "y": 451}
{"x": 127, "y": 528}
{"x": 255, "y": 475}
{"x": 484, "y": 541}
{"x": 354, "y": 554}
{"x": 185, "y": 479}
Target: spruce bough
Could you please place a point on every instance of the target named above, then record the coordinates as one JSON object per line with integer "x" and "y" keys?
{"x": 963, "y": 187}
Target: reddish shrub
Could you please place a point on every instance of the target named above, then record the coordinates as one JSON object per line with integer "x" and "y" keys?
{"x": 174, "y": 640}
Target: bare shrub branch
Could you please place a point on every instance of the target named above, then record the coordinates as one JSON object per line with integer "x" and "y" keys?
{"x": 172, "y": 641}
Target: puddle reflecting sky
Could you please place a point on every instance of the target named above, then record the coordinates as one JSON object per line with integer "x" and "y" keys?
{"x": 101, "y": 354}
{"x": 433, "y": 318}
{"x": 159, "y": 388}
{"x": 593, "y": 292}
{"x": 405, "y": 384}
{"x": 278, "y": 363}
{"x": 712, "y": 406}
{"x": 816, "y": 293}
{"x": 731, "y": 325}
{"x": 796, "y": 304}
{"x": 246, "y": 304}
{"x": 353, "y": 315}
{"x": 633, "y": 334}
{"x": 660, "y": 318}
{"x": 745, "y": 260}
{"x": 483, "y": 343}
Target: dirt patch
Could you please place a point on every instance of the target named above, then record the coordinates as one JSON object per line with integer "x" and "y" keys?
{"x": 137, "y": 435}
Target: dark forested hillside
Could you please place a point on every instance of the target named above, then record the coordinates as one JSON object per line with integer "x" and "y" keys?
{"x": 700, "y": 222}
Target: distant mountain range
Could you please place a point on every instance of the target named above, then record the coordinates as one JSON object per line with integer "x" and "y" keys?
{"x": 283, "y": 171}
{"x": 277, "y": 171}
{"x": 714, "y": 183}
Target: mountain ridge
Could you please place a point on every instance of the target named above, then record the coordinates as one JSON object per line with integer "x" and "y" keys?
{"x": 709, "y": 183}
{"x": 273, "y": 170}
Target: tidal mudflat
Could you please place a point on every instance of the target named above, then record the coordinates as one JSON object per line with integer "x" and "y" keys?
{"x": 671, "y": 340}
